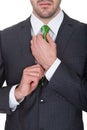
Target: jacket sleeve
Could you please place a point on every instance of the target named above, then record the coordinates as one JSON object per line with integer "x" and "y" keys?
{"x": 4, "y": 91}
{"x": 67, "y": 81}
{"x": 70, "y": 86}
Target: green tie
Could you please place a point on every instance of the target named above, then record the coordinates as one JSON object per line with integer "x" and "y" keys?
{"x": 45, "y": 29}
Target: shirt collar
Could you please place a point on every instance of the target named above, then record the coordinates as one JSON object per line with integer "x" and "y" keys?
{"x": 36, "y": 24}
{"x": 54, "y": 24}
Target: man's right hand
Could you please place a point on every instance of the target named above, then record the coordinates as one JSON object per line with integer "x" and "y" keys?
{"x": 29, "y": 81}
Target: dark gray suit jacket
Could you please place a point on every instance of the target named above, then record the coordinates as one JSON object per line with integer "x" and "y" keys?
{"x": 59, "y": 104}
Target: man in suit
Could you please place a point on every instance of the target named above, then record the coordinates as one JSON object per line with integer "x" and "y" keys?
{"x": 62, "y": 59}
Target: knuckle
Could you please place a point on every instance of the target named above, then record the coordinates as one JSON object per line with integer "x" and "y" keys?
{"x": 24, "y": 71}
{"x": 39, "y": 69}
{"x": 38, "y": 75}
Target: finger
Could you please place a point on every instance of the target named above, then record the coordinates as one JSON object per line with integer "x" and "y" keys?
{"x": 40, "y": 39}
{"x": 34, "y": 69}
{"x": 34, "y": 85}
{"x": 32, "y": 72}
{"x": 33, "y": 41}
{"x": 39, "y": 72}
{"x": 33, "y": 66}
{"x": 34, "y": 81}
{"x": 40, "y": 35}
{"x": 49, "y": 39}
{"x": 36, "y": 74}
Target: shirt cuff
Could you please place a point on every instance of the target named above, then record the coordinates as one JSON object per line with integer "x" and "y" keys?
{"x": 50, "y": 72}
{"x": 12, "y": 100}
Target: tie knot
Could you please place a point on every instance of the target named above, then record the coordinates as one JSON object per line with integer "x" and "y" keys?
{"x": 45, "y": 29}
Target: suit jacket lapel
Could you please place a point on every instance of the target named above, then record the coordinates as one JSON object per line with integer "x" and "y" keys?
{"x": 64, "y": 35}
{"x": 25, "y": 40}
{"x": 62, "y": 40}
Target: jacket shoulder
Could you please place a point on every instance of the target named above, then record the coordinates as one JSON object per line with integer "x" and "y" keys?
{"x": 74, "y": 22}
{"x": 15, "y": 27}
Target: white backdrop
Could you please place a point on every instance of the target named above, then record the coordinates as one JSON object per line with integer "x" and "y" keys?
{"x": 14, "y": 11}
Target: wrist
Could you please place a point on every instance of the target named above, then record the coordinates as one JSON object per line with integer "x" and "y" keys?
{"x": 18, "y": 94}
{"x": 50, "y": 72}
{"x": 50, "y": 63}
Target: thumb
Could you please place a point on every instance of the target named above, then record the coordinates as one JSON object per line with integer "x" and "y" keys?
{"x": 49, "y": 39}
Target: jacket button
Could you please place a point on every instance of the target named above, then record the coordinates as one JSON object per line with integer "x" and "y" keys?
{"x": 41, "y": 101}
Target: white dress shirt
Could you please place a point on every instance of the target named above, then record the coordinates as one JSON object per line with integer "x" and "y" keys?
{"x": 36, "y": 25}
